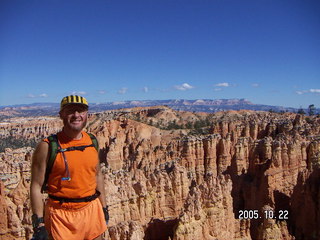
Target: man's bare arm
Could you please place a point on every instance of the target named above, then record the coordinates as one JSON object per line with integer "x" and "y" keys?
{"x": 100, "y": 186}
{"x": 38, "y": 169}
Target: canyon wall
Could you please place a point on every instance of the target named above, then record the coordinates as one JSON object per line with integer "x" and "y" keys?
{"x": 179, "y": 175}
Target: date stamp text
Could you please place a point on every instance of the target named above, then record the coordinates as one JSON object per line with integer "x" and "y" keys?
{"x": 266, "y": 214}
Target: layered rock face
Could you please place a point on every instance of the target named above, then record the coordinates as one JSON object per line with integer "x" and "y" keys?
{"x": 178, "y": 175}
{"x": 28, "y": 128}
{"x": 15, "y": 221}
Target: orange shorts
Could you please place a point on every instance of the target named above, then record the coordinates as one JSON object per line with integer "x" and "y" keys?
{"x": 64, "y": 223}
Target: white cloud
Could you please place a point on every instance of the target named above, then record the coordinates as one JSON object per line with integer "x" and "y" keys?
{"x": 314, "y": 90}
{"x": 145, "y": 89}
{"x": 102, "y": 92}
{"x": 123, "y": 90}
{"x": 225, "y": 84}
{"x": 42, "y": 95}
{"x": 217, "y": 89}
{"x": 255, "y": 85}
{"x": 79, "y": 93}
{"x": 183, "y": 87}
{"x": 31, "y": 96}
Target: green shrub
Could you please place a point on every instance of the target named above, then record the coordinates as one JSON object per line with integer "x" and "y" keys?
{"x": 14, "y": 143}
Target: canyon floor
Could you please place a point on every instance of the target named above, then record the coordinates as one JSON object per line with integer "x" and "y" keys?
{"x": 248, "y": 175}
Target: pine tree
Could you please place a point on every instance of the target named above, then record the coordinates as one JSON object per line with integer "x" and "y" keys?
{"x": 311, "y": 109}
{"x": 301, "y": 111}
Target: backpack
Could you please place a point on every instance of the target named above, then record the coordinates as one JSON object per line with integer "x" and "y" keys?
{"x": 55, "y": 148}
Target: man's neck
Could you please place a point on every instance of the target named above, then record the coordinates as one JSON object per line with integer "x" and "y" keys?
{"x": 75, "y": 135}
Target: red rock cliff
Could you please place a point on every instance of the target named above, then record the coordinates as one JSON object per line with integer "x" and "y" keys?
{"x": 181, "y": 175}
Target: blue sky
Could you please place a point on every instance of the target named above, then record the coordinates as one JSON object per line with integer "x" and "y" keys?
{"x": 266, "y": 51}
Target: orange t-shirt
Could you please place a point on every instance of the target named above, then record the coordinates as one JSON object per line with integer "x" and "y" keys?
{"x": 82, "y": 168}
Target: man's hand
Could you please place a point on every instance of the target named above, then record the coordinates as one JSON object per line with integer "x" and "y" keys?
{"x": 40, "y": 233}
{"x": 106, "y": 214}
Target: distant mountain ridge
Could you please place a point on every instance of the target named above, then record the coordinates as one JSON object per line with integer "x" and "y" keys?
{"x": 198, "y": 105}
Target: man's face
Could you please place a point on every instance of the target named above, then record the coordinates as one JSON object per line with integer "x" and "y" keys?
{"x": 74, "y": 116}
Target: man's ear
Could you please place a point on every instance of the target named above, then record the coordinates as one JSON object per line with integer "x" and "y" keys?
{"x": 60, "y": 114}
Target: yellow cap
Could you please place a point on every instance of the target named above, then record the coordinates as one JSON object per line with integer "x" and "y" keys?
{"x": 73, "y": 99}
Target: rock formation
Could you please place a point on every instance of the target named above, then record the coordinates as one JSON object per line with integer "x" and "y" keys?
{"x": 179, "y": 175}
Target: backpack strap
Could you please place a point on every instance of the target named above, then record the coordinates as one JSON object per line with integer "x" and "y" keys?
{"x": 53, "y": 151}
{"x": 94, "y": 141}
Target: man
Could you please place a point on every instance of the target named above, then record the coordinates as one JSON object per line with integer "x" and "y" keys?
{"x": 76, "y": 207}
